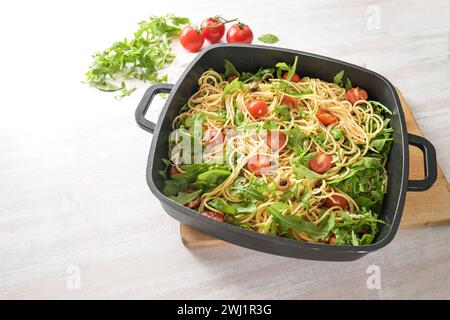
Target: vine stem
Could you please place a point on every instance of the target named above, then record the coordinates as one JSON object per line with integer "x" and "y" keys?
{"x": 223, "y": 22}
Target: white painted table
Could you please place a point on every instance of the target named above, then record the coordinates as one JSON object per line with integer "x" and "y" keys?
{"x": 73, "y": 196}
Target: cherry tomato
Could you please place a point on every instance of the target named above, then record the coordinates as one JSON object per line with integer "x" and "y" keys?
{"x": 239, "y": 33}
{"x": 289, "y": 101}
{"x": 213, "y": 215}
{"x": 213, "y": 29}
{"x": 214, "y": 137}
{"x": 354, "y": 94}
{"x": 321, "y": 163}
{"x": 231, "y": 78}
{"x": 173, "y": 170}
{"x": 257, "y": 108}
{"x": 275, "y": 140}
{"x": 191, "y": 39}
{"x": 326, "y": 117}
{"x": 295, "y": 77}
{"x": 332, "y": 239}
{"x": 194, "y": 203}
{"x": 335, "y": 200}
{"x": 258, "y": 164}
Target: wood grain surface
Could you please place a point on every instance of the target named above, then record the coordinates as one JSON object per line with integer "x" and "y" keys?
{"x": 74, "y": 203}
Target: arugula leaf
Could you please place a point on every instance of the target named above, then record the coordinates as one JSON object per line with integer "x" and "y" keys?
{"x": 365, "y": 183}
{"x": 192, "y": 171}
{"x": 233, "y": 207}
{"x": 339, "y": 80}
{"x": 282, "y": 66}
{"x": 287, "y": 222}
{"x": 212, "y": 178}
{"x": 125, "y": 92}
{"x": 244, "y": 207}
{"x": 252, "y": 190}
{"x": 268, "y": 38}
{"x": 270, "y": 125}
{"x": 284, "y": 86}
{"x": 232, "y": 87}
{"x": 172, "y": 187}
{"x": 302, "y": 171}
{"x": 319, "y": 138}
{"x": 140, "y": 58}
{"x": 163, "y": 172}
{"x": 185, "y": 197}
{"x": 248, "y": 77}
{"x": 336, "y": 133}
{"x": 238, "y": 117}
{"x": 348, "y": 84}
{"x": 379, "y": 143}
{"x": 356, "y": 229}
{"x": 182, "y": 181}
{"x": 245, "y": 77}
{"x": 283, "y": 112}
{"x": 222, "y": 206}
{"x": 296, "y": 138}
{"x": 230, "y": 70}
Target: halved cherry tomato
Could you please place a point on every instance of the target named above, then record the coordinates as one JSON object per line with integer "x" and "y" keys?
{"x": 335, "y": 200}
{"x": 289, "y": 101}
{"x": 194, "y": 203}
{"x": 239, "y": 33}
{"x": 332, "y": 239}
{"x": 355, "y": 94}
{"x": 213, "y": 215}
{"x": 173, "y": 170}
{"x": 213, "y": 29}
{"x": 192, "y": 39}
{"x": 231, "y": 78}
{"x": 258, "y": 164}
{"x": 326, "y": 117}
{"x": 214, "y": 137}
{"x": 295, "y": 77}
{"x": 275, "y": 140}
{"x": 321, "y": 163}
{"x": 257, "y": 108}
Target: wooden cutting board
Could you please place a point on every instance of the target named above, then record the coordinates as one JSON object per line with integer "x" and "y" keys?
{"x": 431, "y": 207}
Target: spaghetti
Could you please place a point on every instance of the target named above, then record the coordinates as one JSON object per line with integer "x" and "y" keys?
{"x": 307, "y": 164}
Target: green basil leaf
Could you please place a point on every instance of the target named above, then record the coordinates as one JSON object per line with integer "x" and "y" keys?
{"x": 268, "y": 38}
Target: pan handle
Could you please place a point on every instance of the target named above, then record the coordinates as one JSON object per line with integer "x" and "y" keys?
{"x": 430, "y": 164}
{"x": 145, "y": 103}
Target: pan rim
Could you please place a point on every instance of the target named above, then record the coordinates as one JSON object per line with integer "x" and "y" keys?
{"x": 293, "y": 244}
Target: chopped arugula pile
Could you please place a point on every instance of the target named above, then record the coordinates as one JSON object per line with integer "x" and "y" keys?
{"x": 138, "y": 58}
{"x": 365, "y": 181}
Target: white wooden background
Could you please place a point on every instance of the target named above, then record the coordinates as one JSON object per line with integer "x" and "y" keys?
{"x": 73, "y": 195}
